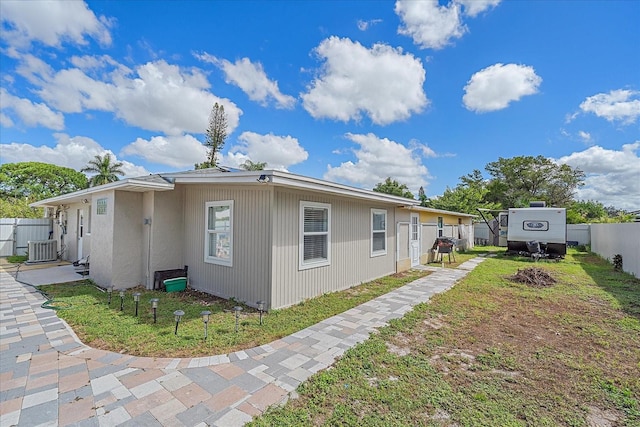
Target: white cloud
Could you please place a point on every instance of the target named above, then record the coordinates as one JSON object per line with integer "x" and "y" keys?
{"x": 379, "y": 158}
{"x": 617, "y": 105}
{"x": 611, "y": 176}
{"x": 51, "y": 23}
{"x": 72, "y": 152}
{"x": 364, "y": 25}
{"x": 381, "y": 82}
{"x": 585, "y": 136}
{"x": 252, "y": 79}
{"x": 430, "y": 25}
{"x": 279, "y": 152}
{"x": 156, "y": 96}
{"x": 474, "y": 7}
{"x": 496, "y": 86}
{"x": 30, "y": 113}
{"x": 178, "y": 151}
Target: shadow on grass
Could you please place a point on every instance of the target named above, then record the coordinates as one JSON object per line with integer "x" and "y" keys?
{"x": 622, "y": 286}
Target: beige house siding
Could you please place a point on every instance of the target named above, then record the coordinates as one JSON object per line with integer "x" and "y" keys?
{"x": 102, "y": 227}
{"x": 127, "y": 240}
{"x": 249, "y": 277}
{"x": 166, "y": 231}
{"x": 350, "y": 259}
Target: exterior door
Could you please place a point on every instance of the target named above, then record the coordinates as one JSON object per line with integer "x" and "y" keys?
{"x": 80, "y": 232}
{"x": 414, "y": 240}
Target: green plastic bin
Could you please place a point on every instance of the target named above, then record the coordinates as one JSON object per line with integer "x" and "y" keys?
{"x": 178, "y": 284}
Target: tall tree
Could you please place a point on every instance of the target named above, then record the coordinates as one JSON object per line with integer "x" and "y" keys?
{"x": 422, "y": 197}
{"x": 105, "y": 170}
{"x": 467, "y": 196}
{"x": 391, "y": 186}
{"x": 519, "y": 180}
{"x": 27, "y": 182}
{"x": 248, "y": 165}
{"x": 216, "y": 135}
{"x": 35, "y": 181}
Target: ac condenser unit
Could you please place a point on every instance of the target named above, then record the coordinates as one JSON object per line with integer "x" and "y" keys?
{"x": 43, "y": 250}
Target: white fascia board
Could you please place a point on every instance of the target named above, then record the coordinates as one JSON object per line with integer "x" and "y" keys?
{"x": 130, "y": 184}
{"x": 425, "y": 209}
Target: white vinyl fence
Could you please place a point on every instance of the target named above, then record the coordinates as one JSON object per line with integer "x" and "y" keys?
{"x": 608, "y": 240}
{"x": 15, "y": 233}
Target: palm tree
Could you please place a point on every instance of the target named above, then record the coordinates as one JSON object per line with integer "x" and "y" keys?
{"x": 248, "y": 165}
{"x": 105, "y": 170}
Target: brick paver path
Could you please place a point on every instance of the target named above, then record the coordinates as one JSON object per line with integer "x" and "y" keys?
{"x": 48, "y": 377}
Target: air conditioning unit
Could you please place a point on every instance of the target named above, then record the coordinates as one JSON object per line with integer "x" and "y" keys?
{"x": 43, "y": 250}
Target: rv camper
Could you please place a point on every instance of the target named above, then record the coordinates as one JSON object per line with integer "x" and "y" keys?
{"x": 537, "y": 231}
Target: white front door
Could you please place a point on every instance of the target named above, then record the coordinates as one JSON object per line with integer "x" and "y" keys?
{"x": 80, "y": 232}
{"x": 414, "y": 240}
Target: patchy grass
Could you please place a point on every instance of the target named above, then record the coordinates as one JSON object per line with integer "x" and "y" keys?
{"x": 99, "y": 325}
{"x": 493, "y": 352}
{"x": 17, "y": 259}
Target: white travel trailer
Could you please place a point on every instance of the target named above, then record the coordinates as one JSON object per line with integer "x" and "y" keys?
{"x": 537, "y": 230}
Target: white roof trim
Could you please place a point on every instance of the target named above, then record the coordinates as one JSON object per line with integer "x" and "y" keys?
{"x": 285, "y": 179}
{"x": 129, "y": 184}
{"x": 433, "y": 210}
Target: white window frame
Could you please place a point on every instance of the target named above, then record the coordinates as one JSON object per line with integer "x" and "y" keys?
{"x": 207, "y": 232}
{"x": 440, "y": 226}
{"x": 384, "y": 231}
{"x": 302, "y": 264}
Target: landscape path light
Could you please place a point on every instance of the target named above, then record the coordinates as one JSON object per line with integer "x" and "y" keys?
{"x": 154, "y": 306}
{"x": 260, "y": 309}
{"x": 109, "y": 293}
{"x": 178, "y": 315}
{"x": 121, "y": 299}
{"x": 237, "y": 309}
{"x": 136, "y": 298}
{"x": 205, "y": 318}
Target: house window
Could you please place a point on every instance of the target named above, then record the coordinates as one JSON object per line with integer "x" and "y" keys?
{"x": 315, "y": 235}
{"x": 414, "y": 227}
{"x": 440, "y": 226}
{"x": 378, "y": 232}
{"x": 218, "y": 242}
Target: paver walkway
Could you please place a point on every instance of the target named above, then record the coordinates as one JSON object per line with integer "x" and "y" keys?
{"x": 48, "y": 377}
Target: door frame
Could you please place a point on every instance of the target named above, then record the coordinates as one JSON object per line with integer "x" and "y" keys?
{"x": 414, "y": 244}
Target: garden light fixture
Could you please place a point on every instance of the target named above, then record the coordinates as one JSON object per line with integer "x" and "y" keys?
{"x": 136, "y": 298}
{"x": 205, "y": 318}
{"x": 178, "y": 315}
{"x": 109, "y": 293}
{"x": 154, "y": 305}
{"x": 260, "y": 309}
{"x": 121, "y": 299}
{"x": 237, "y": 309}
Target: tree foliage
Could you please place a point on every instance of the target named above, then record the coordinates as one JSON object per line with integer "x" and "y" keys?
{"x": 519, "y": 180}
{"x": 248, "y": 165}
{"x": 391, "y": 186}
{"x": 469, "y": 195}
{"x": 35, "y": 181}
{"x": 591, "y": 211}
{"x": 105, "y": 170}
{"x": 216, "y": 135}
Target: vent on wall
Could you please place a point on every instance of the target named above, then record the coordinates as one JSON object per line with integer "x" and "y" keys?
{"x": 43, "y": 250}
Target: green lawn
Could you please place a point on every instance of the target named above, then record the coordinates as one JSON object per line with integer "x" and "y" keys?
{"x": 104, "y": 326}
{"x": 492, "y": 352}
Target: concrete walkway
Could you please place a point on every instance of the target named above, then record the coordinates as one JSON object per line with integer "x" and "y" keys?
{"x": 48, "y": 377}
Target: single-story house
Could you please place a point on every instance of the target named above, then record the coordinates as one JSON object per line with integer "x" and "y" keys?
{"x": 249, "y": 235}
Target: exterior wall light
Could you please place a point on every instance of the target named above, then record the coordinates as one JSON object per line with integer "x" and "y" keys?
{"x": 205, "y": 318}
{"x": 154, "y": 306}
{"x": 178, "y": 315}
{"x": 237, "y": 309}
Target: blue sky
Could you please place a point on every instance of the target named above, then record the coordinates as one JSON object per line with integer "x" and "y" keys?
{"x": 349, "y": 91}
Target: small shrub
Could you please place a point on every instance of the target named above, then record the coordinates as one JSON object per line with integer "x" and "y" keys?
{"x": 617, "y": 262}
